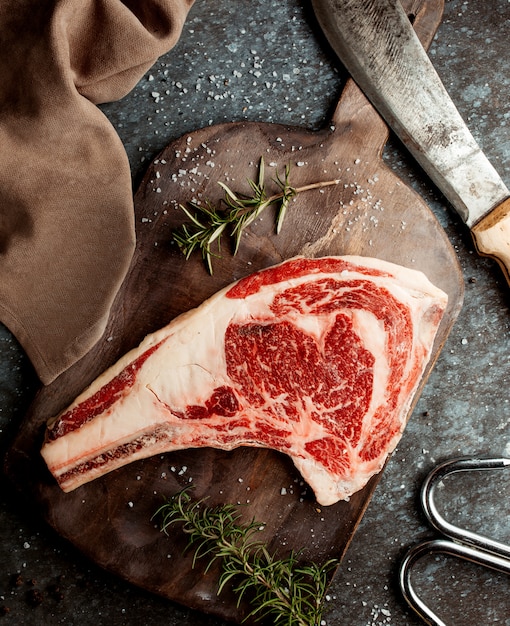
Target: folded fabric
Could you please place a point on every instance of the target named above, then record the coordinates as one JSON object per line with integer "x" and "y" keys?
{"x": 66, "y": 205}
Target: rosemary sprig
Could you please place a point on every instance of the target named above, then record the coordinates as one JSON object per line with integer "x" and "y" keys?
{"x": 285, "y": 590}
{"x": 234, "y": 213}
{"x": 207, "y": 226}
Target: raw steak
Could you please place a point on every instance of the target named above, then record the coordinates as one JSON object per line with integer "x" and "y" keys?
{"x": 315, "y": 358}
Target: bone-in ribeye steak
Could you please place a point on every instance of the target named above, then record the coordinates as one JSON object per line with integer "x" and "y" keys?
{"x": 315, "y": 358}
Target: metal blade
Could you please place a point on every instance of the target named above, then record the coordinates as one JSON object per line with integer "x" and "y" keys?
{"x": 375, "y": 41}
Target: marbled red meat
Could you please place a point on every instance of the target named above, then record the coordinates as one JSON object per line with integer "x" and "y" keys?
{"x": 315, "y": 358}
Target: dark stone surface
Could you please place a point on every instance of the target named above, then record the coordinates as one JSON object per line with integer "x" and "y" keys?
{"x": 257, "y": 60}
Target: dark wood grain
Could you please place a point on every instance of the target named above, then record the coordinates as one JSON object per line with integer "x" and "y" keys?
{"x": 370, "y": 213}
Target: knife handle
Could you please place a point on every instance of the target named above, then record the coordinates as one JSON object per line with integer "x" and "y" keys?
{"x": 492, "y": 236}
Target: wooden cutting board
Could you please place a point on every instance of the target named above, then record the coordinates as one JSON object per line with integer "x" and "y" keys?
{"x": 370, "y": 213}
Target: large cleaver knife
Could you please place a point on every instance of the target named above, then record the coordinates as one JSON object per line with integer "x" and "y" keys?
{"x": 375, "y": 41}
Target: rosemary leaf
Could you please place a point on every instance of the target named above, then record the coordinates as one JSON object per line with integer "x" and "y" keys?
{"x": 262, "y": 173}
{"x": 229, "y": 193}
{"x": 283, "y": 589}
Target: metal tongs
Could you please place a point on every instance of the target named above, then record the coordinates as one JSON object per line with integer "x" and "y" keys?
{"x": 459, "y": 542}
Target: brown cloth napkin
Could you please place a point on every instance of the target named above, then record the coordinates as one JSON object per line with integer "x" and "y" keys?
{"x": 66, "y": 206}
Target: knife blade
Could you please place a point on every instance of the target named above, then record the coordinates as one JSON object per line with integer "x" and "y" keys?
{"x": 378, "y": 46}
